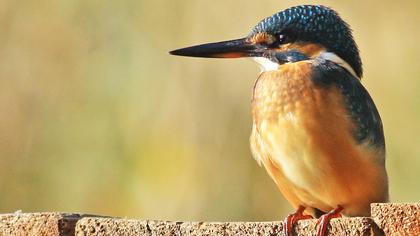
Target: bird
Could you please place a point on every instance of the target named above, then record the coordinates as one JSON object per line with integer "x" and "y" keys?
{"x": 316, "y": 129}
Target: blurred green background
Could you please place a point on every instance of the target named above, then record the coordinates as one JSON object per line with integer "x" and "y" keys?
{"x": 96, "y": 117}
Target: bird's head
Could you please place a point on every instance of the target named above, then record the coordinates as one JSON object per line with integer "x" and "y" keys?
{"x": 295, "y": 34}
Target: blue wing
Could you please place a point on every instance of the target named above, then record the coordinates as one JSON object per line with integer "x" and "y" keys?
{"x": 360, "y": 105}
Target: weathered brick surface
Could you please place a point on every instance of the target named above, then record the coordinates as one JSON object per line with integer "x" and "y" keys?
{"x": 397, "y": 218}
{"x": 98, "y": 226}
{"x": 47, "y": 223}
{"x": 391, "y": 219}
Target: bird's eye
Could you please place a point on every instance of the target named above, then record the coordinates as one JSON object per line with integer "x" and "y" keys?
{"x": 285, "y": 37}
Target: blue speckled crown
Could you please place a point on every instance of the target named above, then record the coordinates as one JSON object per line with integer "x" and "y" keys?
{"x": 317, "y": 24}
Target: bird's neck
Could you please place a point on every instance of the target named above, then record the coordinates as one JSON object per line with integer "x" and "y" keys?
{"x": 269, "y": 65}
{"x": 330, "y": 56}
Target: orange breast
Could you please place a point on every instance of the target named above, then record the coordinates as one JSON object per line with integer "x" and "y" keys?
{"x": 302, "y": 135}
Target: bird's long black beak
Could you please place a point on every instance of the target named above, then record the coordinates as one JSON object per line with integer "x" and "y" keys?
{"x": 226, "y": 49}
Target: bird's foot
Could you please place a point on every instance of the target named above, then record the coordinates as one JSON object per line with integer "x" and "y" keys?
{"x": 324, "y": 220}
{"x": 293, "y": 218}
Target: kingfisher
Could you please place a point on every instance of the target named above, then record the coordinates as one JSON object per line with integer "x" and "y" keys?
{"x": 316, "y": 129}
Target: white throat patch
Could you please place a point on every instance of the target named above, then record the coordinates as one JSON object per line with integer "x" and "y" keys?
{"x": 266, "y": 64}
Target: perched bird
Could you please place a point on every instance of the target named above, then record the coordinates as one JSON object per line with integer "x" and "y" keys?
{"x": 315, "y": 129}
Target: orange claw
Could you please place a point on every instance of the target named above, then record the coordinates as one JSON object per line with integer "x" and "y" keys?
{"x": 293, "y": 218}
{"x": 324, "y": 220}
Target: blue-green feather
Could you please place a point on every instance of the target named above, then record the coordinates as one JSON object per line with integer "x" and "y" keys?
{"x": 358, "y": 102}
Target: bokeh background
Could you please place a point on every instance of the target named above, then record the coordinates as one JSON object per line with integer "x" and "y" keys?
{"x": 96, "y": 117}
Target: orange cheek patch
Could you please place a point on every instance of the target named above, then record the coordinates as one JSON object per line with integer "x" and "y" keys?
{"x": 311, "y": 50}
